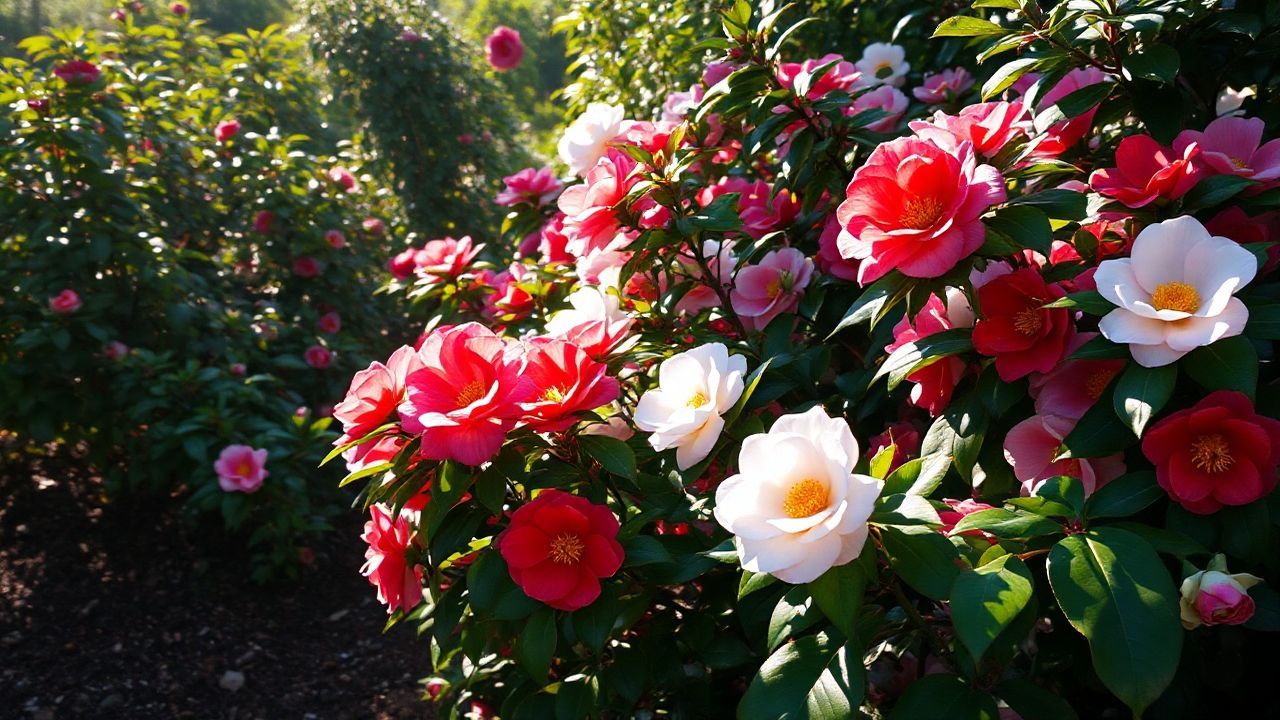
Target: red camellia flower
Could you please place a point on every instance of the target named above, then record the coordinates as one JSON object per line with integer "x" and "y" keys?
{"x": 559, "y": 546}
{"x": 318, "y": 356}
{"x": 306, "y": 267}
{"x": 263, "y": 221}
{"x": 933, "y": 383}
{"x": 67, "y": 301}
{"x": 387, "y": 565}
{"x": 371, "y": 402}
{"x": 567, "y": 383}
{"x": 915, "y": 207}
{"x": 504, "y": 48}
{"x": 1147, "y": 171}
{"x": 1218, "y": 452}
{"x": 335, "y": 238}
{"x": 466, "y": 396}
{"x": 330, "y": 322}
{"x": 1021, "y": 335}
{"x": 226, "y": 129}
{"x": 78, "y": 72}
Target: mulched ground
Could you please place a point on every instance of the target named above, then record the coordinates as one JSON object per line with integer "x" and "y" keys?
{"x": 108, "y": 612}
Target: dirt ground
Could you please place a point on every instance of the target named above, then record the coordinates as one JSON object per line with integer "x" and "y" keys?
{"x": 108, "y": 612}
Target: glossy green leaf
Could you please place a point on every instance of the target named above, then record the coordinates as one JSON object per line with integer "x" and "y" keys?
{"x": 985, "y": 600}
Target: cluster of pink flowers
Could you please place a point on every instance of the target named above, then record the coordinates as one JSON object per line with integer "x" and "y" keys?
{"x": 438, "y": 260}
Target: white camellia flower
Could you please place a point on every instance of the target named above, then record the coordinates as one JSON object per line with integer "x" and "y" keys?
{"x": 695, "y": 388}
{"x": 795, "y": 508}
{"x": 1175, "y": 291}
{"x": 883, "y": 64}
{"x": 586, "y": 304}
{"x": 586, "y": 139}
{"x": 1230, "y": 100}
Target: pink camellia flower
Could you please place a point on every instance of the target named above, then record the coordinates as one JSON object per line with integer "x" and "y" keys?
{"x": 932, "y": 384}
{"x": 534, "y": 186}
{"x": 466, "y": 396}
{"x": 409, "y": 36}
{"x": 720, "y": 261}
{"x": 504, "y": 49}
{"x": 67, "y": 301}
{"x": 226, "y": 129}
{"x": 1147, "y": 171}
{"x": 445, "y": 258}
{"x": 567, "y": 383}
{"x": 763, "y": 292}
{"x": 1060, "y": 136}
{"x": 829, "y": 260}
{"x": 594, "y": 321}
{"x": 78, "y": 72}
{"x": 330, "y": 322}
{"x": 591, "y": 219}
{"x": 552, "y": 242}
{"x": 306, "y": 267}
{"x": 343, "y": 178}
{"x": 318, "y": 356}
{"x": 1071, "y": 388}
{"x": 509, "y": 300}
{"x": 387, "y": 562}
{"x": 402, "y": 264}
{"x": 178, "y": 9}
{"x": 373, "y": 226}
{"x": 841, "y": 76}
{"x": 263, "y": 221}
{"x": 884, "y": 97}
{"x": 762, "y": 211}
{"x": 335, "y": 238}
{"x": 956, "y": 511}
{"x": 717, "y": 71}
{"x": 371, "y": 402}
{"x": 989, "y": 126}
{"x": 652, "y": 136}
{"x": 916, "y": 208}
{"x": 119, "y": 15}
{"x": 237, "y": 369}
{"x": 1031, "y": 445}
{"x": 115, "y": 350}
{"x": 1215, "y": 597}
{"x": 679, "y": 104}
{"x": 904, "y": 438}
{"x": 944, "y": 87}
{"x": 1233, "y": 146}
{"x": 241, "y": 468}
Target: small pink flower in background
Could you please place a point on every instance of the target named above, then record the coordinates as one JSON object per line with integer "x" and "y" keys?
{"x": 306, "y": 267}
{"x": 535, "y": 186}
{"x": 343, "y": 178}
{"x": 932, "y": 384}
{"x": 119, "y": 15}
{"x": 178, "y": 9}
{"x": 330, "y": 322}
{"x": 78, "y": 72}
{"x": 1032, "y": 444}
{"x": 615, "y": 427}
{"x": 956, "y": 512}
{"x": 67, "y": 301}
{"x": 409, "y": 36}
{"x": 226, "y": 129}
{"x": 679, "y": 104}
{"x": 989, "y": 126}
{"x": 720, "y": 261}
{"x": 840, "y": 76}
{"x": 387, "y": 563}
{"x": 652, "y": 136}
{"x": 905, "y": 439}
{"x": 591, "y": 219}
{"x": 241, "y": 468}
{"x": 944, "y": 87}
{"x": 761, "y": 211}
{"x": 885, "y": 97}
{"x": 504, "y": 48}
{"x": 238, "y": 369}
{"x": 318, "y": 356}
{"x": 335, "y": 238}
{"x": 567, "y": 383}
{"x": 1146, "y": 171}
{"x": 263, "y": 221}
{"x": 373, "y": 226}
{"x": 115, "y": 350}
{"x": 1215, "y": 597}
{"x": 445, "y": 258}
{"x": 1233, "y": 146}
{"x": 763, "y": 292}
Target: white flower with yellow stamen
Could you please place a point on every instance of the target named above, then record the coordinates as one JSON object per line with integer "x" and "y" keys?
{"x": 796, "y": 508}
{"x": 1175, "y": 291}
{"x": 882, "y": 64}
{"x": 695, "y": 388}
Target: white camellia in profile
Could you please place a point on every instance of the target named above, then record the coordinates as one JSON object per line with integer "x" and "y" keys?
{"x": 695, "y": 389}
{"x": 796, "y": 508}
{"x": 587, "y": 138}
{"x": 1175, "y": 291}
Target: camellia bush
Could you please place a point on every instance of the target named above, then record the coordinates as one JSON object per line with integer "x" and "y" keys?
{"x": 915, "y": 379}
{"x": 188, "y": 275}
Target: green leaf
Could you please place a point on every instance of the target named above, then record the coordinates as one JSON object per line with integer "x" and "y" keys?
{"x": 814, "y": 677}
{"x": 1058, "y": 204}
{"x": 927, "y": 350}
{"x": 923, "y": 558}
{"x": 536, "y": 643}
{"x": 1229, "y": 364}
{"x": 1089, "y": 301}
{"x": 794, "y": 612}
{"x": 1115, "y": 591}
{"x": 1141, "y": 392}
{"x": 965, "y": 26}
{"x": 903, "y": 509}
{"x": 1028, "y": 226}
{"x": 1098, "y": 433}
{"x": 879, "y": 465}
{"x": 1006, "y": 524}
{"x": 614, "y": 455}
{"x": 985, "y": 601}
{"x": 593, "y": 623}
{"x": 874, "y": 302}
{"x": 644, "y": 550}
{"x": 1215, "y": 190}
{"x": 1032, "y": 701}
{"x": 838, "y": 594}
{"x": 1157, "y": 62}
{"x": 1100, "y": 348}
{"x": 941, "y": 696}
{"x": 751, "y": 582}
{"x": 1124, "y": 496}
{"x": 576, "y": 698}
{"x": 1264, "y": 322}
{"x": 1007, "y": 75}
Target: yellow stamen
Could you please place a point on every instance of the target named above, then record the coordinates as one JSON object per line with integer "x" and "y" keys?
{"x": 1028, "y": 322}
{"x": 805, "y": 498}
{"x": 566, "y": 549}
{"x": 471, "y": 393}
{"x": 1097, "y": 383}
{"x": 921, "y": 213}
{"x": 553, "y": 395}
{"x": 1176, "y": 295}
{"x": 1211, "y": 453}
{"x": 697, "y": 400}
